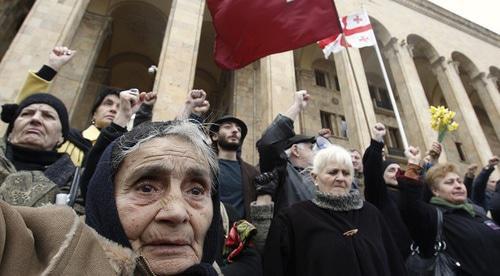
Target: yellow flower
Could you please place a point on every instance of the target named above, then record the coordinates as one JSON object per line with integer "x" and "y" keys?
{"x": 453, "y": 126}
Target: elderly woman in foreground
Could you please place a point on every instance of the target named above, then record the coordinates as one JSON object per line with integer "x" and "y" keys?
{"x": 471, "y": 238}
{"x": 335, "y": 233}
{"x": 152, "y": 204}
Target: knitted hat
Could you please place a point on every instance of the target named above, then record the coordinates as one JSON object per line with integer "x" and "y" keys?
{"x": 214, "y": 128}
{"x": 105, "y": 92}
{"x": 387, "y": 163}
{"x": 10, "y": 112}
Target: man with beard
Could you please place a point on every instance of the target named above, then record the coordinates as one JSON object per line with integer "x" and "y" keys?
{"x": 235, "y": 175}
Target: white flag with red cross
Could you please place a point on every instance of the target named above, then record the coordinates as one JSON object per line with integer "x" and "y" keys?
{"x": 357, "y": 32}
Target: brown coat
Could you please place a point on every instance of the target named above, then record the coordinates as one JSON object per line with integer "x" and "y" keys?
{"x": 53, "y": 240}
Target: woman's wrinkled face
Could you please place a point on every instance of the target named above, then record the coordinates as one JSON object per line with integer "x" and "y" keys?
{"x": 334, "y": 178}
{"x": 37, "y": 127}
{"x": 163, "y": 197}
{"x": 451, "y": 189}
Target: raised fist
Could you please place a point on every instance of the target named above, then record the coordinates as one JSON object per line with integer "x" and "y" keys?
{"x": 379, "y": 132}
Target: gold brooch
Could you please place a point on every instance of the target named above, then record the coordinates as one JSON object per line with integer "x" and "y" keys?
{"x": 351, "y": 233}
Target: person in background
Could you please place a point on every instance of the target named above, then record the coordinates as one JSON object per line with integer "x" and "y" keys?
{"x": 382, "y": 190}
{"x": 335, "y": 232}
{"x": 472, "y": 239}
{"x": 235, "y": 175}
{"x": 484, "y": 185}
{"x": 32, "y": 171}
{"x": 289, "y": 155}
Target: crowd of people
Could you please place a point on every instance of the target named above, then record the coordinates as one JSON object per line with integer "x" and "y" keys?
{"x": 176, "y": 198}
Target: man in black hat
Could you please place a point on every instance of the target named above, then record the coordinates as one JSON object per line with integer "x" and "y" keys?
{"x": 288, "y": 156}
{"x": 235, "y": 176}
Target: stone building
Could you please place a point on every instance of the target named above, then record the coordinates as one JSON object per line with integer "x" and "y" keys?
{"x": 433, "y": 57}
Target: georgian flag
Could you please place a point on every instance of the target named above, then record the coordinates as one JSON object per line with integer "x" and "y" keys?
{"x": 357, "y": 32}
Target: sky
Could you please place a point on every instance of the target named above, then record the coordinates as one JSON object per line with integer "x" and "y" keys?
{"x": 482, "y": 12}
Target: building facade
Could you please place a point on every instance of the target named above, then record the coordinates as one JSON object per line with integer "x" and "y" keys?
{"x": 433, "y": 57}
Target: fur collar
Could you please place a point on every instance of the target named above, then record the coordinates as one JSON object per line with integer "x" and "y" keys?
{"x": 122, "y": 259}
{"x": 347, "y": 202}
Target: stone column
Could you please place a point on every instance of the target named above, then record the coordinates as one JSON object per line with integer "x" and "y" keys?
{"x": 277, "y": 85}
{"x": 177, "y": 65}
{"x": 249, "y": 106}
{"x": 49, "y": 23}
{"x": 476, "y": 145}
{"x": 490, "y": 98}
{"x": 358, "y": 106}
{"x": 72, "y": 79}
{"x": 411, "y": 94}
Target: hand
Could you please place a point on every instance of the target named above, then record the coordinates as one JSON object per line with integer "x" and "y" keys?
{"x": 471, "y": 169}
{"x": 413, "y": 155}
{"x": 493, "y": 161}
{"x": 266, "y": 183}
{"x": 325, "y": 133}
{"x": 59, "y": 56}
{"x": 130, "y": 101}
{"x": 150, "y": 98}
{"x": 378, "y": 132}
{"x": 435, "y": 150}
{"x": 196, "y": 101}
{"x": 301, "y": 99}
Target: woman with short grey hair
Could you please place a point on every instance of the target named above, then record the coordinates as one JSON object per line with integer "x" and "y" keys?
{"x": 336, "y": 232}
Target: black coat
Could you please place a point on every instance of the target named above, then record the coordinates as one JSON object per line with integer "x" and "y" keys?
{"x": 293, "y": 186}
{"x": 470, "y": 240}
{"x": 384, "y": 198}
{"x": 308, "y": 240}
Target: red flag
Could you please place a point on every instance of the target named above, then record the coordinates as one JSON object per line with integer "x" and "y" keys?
{"x": 249, "y": 30}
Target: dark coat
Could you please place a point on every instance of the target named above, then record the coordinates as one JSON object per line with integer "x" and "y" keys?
{"x": 384, "y": 198}
{"x": 308, "y": 240}
{"x": 293, "y": 186}
{"x": 248, "y": 173}
{"x": 480, "y": 195}
{"x": 472, "y": 241}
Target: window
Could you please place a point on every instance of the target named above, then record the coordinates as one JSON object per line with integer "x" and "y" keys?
{"x": 380, "y": 96}
{"x": 321, "y": 78}
{"x": 337, "y": 84}
{"x": 394, "y": 142}
{"x": 336, "y": 123}
{"x": 460, "y": 151}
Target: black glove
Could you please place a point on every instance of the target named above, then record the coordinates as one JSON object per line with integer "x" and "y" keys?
{"x": 266, "y": 183}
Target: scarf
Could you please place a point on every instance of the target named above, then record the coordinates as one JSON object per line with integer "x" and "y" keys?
{"x": 347, "y": 202}
{"x": 464, "y": 206}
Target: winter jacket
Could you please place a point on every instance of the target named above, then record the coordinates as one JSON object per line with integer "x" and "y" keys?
{"x": 34, "y": 187}
{"x": 385, "y": 198}
{"x": 294, "y": 185}
{"x": 473, "y": 241}
{"x": 480, "y": 195}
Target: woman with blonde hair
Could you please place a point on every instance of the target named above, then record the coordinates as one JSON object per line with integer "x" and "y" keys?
{"x": 335, "y": 232}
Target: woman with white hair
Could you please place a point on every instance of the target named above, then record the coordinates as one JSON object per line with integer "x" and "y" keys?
{"x": 335, "y": 232}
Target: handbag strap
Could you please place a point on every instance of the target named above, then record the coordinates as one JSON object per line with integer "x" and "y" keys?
{"x": 440, "y": 243}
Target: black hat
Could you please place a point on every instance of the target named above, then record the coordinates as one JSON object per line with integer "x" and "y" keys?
{"x": 297, "y": 139}
{"x": 105, "y": 92}
{"x": 10, "y": 112}
{"x": 214, "y": 128}
{"x": 387, "y": 163}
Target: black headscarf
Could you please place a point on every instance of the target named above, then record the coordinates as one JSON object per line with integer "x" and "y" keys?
{"x": 102, "y": 215}
{"x": 10, "y": 112}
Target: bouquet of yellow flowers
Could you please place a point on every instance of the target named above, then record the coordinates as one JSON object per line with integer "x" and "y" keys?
{"x": 442, "y": 121}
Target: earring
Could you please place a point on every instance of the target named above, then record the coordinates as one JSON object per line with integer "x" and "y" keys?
{"x": 92, "y": 122}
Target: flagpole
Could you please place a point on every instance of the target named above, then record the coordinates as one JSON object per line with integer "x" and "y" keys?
{"x": 391, "y": 95}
